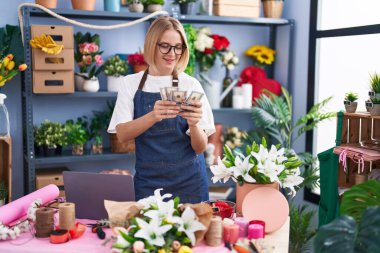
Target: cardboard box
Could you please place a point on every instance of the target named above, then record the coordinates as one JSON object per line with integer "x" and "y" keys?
{"x": 51, "y": 176}
{"x": 45, "y": 81}
{"x": 237, "y": 8}
{"x": 62, "y": 35}
{"x": 44, "y": 61}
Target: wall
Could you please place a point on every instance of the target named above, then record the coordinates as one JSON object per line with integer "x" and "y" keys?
{"x": 241, "y": 38}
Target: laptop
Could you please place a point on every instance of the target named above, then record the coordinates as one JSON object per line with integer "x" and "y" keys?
{"x": 89, "y": 190}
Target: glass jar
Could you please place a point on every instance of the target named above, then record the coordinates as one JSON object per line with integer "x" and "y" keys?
{"x": 227, "y": 101}
{"x": 4, "y": 117}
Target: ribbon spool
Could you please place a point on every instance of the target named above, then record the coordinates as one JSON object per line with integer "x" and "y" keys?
{"x": 44, "y": 222}
{"x": 214, "y": 232}
{"x": 66, "y": 215}
{"x": 59, "y": 236}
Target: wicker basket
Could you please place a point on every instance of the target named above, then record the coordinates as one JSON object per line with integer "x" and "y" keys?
{"x": 121, "y": 147}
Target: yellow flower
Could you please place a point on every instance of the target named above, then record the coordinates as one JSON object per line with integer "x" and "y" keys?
{"x": 185, "y": 249}
{"x": 162, "y": 251}
{"x": 11, "y": 65}
{"x": 255, "y": 50}
{"x": 265, "y": 58}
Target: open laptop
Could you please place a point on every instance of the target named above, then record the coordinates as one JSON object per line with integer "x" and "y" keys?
{"x": 89, "y": 190}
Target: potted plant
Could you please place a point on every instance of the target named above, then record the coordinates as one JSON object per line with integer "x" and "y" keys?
{"x": 273, "y": 8}
{"x": 374, "y": 109}
{"x": 375, "y": 85}
{"x": 86, "y": 5}
{"x": 137, "y": 61}
{"x": 77, "y": 135}
{"x": 99, "y": 122}
{"x": 135, "y": 6}
{"x": 89, "y": 61}
{"x": 154, "y": 5}
{"x": 3, "y": 193}
{"x": 115, "y": 68}
{"x": 52, "y": 4}
{"x": 185, "y": 6}
{"x": 51, "y": 137}
{"x": 350, "y": 102}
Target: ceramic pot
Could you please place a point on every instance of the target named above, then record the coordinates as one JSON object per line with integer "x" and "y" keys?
{"x": 51, "y": 4}
{"x": 136, "y": 8}
{"x": 77, "y": 149}
{"x": 375, "y": 110}
{"x": 91, "y": 85}
{"x": 86, "y": 5}
{"x": 351, "y": 108}
{"x": 113, "y": 83}
{"x": 79, "y": 81}
{"x": 185, "y": 8}
{"x": 154, "y": 7}
{"x": 242, "y": 191}
{"x": 141, "y": 67}
{"x": 273, "y": 8}
{"x": 112, "y": 5}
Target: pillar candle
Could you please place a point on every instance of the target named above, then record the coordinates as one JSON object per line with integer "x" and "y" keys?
{"x": 247, "y": 94}
{"x": 255, "y": 231}
{"x": 261, "y": 222}
{"x": 230, "y": 233}
{"x": 243, "y": 226}
{"x": 238, "y": 101}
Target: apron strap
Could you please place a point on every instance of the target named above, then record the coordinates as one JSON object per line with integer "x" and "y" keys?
{"x": 143, "y": 79}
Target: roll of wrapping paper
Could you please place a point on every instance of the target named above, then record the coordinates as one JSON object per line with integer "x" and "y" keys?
{"x": 18, "y": 208}
{"x": 66, "y": 215}
{"x": 44, "y": 222}
{"x": 215, "y": 232}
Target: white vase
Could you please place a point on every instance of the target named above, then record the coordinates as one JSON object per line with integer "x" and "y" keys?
{"x": 154, "y": 7}
{"x": 113, "y": 83}
{"x": 91, "y": 85}
{"x": 79, "y": 81}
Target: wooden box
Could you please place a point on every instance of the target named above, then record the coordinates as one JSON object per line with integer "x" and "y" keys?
{"x": 45, "y": 81}
{"x": 237, "y": 8}
{"x": 51, "y": 176}
{"x": 62, "y": 35}
{"x": 44, "y": 61}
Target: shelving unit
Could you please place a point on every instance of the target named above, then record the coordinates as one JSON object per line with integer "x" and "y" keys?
{"x": 31, "y": 161}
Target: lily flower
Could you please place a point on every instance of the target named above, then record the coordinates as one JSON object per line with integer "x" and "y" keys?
{"x": 152, "y": 232}
{"x": 152, "y": 200}
{"x": 189, "y": 224}
{"x": 293, "y": 180}
{"x": 220, "y": 172}
{"x": 242, "y": 169}
{"x": 262, "y": 155}
{"x": 270, "y": 169}
{"x": 277, "y": 155}
{"x": 165, "y": 211}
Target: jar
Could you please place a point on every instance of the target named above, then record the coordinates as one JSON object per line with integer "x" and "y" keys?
{"x": 4, "y": 117}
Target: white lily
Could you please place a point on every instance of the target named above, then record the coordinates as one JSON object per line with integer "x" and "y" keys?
{"x": 188, "y": 223}
{"x": 152, "y": 200}
{"x": 261, "y": 156}
{"x": 292, "y": 180}
{"x": 152, "y": 231}
{"x": 277, "y": 155}
{"x": 269, "y": 169}
{"x": 242, "y": 169}
{"x": 165, "y": 211}
{"x": 220, "y": 172}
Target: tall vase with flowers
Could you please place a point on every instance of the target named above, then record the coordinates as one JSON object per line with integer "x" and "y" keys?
{"x": 89, "y": 61}
{"x": 137, "y": 61}
{"x": 229, "y": 60}
{"x": 259, "y": 166}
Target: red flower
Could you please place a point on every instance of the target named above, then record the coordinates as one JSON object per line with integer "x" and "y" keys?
{"x": 136, "y": 59}
{"x": 220, "y": 42}
{"x": 208, "y": 51}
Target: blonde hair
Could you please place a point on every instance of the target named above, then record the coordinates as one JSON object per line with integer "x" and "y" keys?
{"x": 156, "y": 29}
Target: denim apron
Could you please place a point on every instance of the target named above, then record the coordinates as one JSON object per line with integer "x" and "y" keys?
{"x": 164, "y": 156}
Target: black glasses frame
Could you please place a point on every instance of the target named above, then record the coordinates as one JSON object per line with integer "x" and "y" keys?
{"x": 170, "y": 48}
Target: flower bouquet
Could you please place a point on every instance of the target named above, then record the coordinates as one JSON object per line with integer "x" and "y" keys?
{"x": 229, "y": 59}
{"x": 137, "y": 61}
{"x": 7, "y": 69}
{"x": 261, "y": 55}
{"x": 163, "y": 226}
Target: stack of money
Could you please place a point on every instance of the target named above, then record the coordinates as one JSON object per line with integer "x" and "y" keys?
{"x": 178, "y": 96}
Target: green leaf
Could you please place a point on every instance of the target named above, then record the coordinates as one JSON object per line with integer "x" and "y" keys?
{"x": 127, "y": 237}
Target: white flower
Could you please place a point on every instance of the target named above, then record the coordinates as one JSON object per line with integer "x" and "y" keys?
{"x": 242, "y": 169}
{"x": 31, "y": 213}
{"x": 205, "y": 30}
{"x": 262, "y": 155}
{"x": 220, "y": 172}
{"x": 152, "y": 231}
{"x": 292, "y": 180}
{"x": 165, "y": 211}
{"x": 203, "y": 41}
{"x": 277, "y": 155}
{"x": 269, "y": 169}
{"x": 152, "y": 200}
{"x": 189, "y": 224}
{"x": 235, "y": 60}
{"x": 230, "y": 66}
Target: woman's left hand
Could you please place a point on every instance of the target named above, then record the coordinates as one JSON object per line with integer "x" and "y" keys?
{"x": 192, "y": 113}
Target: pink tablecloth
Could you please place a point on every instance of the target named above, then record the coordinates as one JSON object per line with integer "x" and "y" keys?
{"x": 89, "y": 242}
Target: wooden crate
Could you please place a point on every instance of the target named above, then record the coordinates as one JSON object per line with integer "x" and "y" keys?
{"x": 6, "y": 163}
{"x": 237, "y": 8}
{"x": 45, "y": 177}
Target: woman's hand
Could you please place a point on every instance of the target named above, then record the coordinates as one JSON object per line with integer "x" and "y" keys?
{"x": 165, "y": 110}
{"x": 192, "y": 113}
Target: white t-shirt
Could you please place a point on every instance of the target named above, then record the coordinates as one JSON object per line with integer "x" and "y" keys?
{"x": 124, "y": 107}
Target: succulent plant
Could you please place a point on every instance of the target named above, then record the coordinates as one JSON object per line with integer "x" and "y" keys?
{"x": 351, "y": 96}
{"x": 115, "y": 66}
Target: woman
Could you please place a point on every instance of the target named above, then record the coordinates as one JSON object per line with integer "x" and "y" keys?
{"x": 169, "y": 138}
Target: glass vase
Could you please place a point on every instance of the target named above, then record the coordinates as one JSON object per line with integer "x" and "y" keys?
{"x": 227, "y": 101}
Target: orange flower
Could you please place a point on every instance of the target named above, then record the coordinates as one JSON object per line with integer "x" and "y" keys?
{"x": 22, "y": 67}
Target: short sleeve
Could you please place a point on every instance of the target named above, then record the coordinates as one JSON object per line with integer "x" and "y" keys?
{"x": 123, "y": 111}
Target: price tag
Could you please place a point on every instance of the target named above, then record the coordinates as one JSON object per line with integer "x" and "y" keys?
{"x": 369, "y": 104}
{"x": 371, "y": 93}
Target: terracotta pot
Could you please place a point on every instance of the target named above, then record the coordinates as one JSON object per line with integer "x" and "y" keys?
{"x": 86, "y": 5}
{"x": 273, "y": 8}
{"x": 242, "y": 191}
{"x": 77, "y": 150}
{"x": 216, "y": 139}
{"x": 52, "y": 4}
{"x": 138, "y": 68}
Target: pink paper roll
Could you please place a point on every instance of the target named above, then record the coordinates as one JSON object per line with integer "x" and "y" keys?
{"x": 18, "y": 208}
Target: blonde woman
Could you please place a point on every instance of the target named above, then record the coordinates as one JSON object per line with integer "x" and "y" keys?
{"x": 169, "y": 141}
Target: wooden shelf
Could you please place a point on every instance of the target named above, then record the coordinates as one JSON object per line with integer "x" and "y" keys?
{"x": 365, "y": 115}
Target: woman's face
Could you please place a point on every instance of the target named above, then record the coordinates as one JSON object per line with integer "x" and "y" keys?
{"x": 170, "y": 48}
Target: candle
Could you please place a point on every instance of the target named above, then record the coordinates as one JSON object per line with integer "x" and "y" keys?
{"x": 255, "y": 231}
{"x": 231, "y": 233}
{"x": 238, "y": 101}
{"x": 247, "y": 94}
{"x": 261, "y": 222}
{"x": 243, "y": 226}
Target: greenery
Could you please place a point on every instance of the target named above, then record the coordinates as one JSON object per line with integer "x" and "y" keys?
{"x": 77, "y": 133}
{"x": 115, "y": 66}
{"x": 375, "y": 83}
{"x": 191, "y": 34}
{"x": 351, "y": 96}
{"x": 99, "y": 122}
{"x": 375, "y": 100}
{"x": 10, "y": 43}
{"x": 3, "y": 190}
{"x": 300, "y": 232}
{"x": 51, "y": 134}
{"x": 149, "y": 2}
{"x": 345, "y": 235}
{"x": 359, "y": 197}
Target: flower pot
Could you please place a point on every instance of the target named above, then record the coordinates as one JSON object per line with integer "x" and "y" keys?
{"x": 154, "y": 7}
{"x": 48, "y": 151}
{"x": 86, "y": 5}
{"x": 79, "y": 81}
{"x": 136, "y": 8}
{"x": 52, "y": 4}
{"x": 96, "y": 149}
{"x": 375, "y": 110}
{"x": 273, "y": 8}
{"x": 112, "y": 5}
{"x": 77, "y": 149}
{"x": 140, "y": 67}
{"x": 185, "y": 8}
{"x": 113, "y": 83}
{"x": 121, "y": 147}
{"x": 350, "y": 107}
{"x": 242, "y": 191}
{"x": 368, "y": 105}
{"x": 91, "y": 85}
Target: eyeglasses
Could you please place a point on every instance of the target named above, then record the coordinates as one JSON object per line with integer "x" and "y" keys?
{"x": 165, "y": 48}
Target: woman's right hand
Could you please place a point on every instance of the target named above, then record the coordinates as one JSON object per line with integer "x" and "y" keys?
{"x": 165, "y": 110}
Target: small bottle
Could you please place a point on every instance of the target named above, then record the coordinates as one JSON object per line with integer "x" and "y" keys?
{"x": 4, "y": 117}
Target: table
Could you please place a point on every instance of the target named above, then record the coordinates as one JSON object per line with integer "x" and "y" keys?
{"x": 89, "y": 242}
